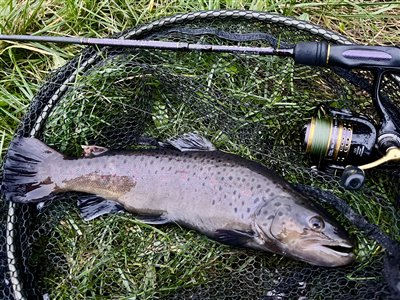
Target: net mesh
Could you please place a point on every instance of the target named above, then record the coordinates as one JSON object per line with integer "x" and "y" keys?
{"x": 249, "y": 105}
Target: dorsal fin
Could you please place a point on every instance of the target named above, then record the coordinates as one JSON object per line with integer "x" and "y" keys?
{"x": 189, "y": 142}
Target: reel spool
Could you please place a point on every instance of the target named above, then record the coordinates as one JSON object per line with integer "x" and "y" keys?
{"x": 341, "y": 140}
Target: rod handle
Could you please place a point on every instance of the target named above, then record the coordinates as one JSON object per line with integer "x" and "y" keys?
{"x": 347, "y": 56}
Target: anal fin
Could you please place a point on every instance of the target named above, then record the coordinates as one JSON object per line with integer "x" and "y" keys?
{"x": 152, "y": 219}
{"x": 92, "y": 206}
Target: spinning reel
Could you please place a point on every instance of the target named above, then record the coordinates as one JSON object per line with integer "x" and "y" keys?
{"x": 342, "y": 141}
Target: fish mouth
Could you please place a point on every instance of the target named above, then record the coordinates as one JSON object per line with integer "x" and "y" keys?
{"x": 341, "y": 249}
{"x": 330, "y": 254}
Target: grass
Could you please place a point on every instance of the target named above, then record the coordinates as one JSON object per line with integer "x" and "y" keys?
{"x": 83, "y": 259}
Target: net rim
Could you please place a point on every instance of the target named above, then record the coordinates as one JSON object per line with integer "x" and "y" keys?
{"x": 84, "y": 64}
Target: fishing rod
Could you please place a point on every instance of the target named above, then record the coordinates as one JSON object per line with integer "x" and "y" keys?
{"x": 336, "y": 139}
{"x": 305, "y": 53}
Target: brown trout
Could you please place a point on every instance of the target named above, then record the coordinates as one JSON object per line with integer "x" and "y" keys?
{"x": 186, "y": 181}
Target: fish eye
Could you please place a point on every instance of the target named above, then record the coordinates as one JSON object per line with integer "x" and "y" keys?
{"x": 316, "y": 223}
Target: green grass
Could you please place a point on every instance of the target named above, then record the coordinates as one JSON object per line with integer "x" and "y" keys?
{"x": 136, "y": 256}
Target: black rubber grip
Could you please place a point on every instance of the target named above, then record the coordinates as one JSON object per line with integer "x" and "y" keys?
{"x": 346, "y": 56}
{"x": 311, "y": 53}
{"x": 364, "y": 57}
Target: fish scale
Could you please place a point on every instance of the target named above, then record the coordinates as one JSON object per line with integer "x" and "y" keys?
{"x": 186, "y": 181}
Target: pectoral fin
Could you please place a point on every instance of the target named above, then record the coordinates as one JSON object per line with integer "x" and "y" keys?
{"x": 234, "y": 237}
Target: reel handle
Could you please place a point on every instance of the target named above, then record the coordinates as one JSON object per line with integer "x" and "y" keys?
{"x": 353, "y": 177}
{"x": 347, "y": 56}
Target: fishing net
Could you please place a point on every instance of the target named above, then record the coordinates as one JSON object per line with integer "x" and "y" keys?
{"x": 250, "y": 105}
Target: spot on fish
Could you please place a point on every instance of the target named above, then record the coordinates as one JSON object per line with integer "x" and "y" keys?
{"x": 258, "y": 186}
{"x": 142, "y": 158}
{"x": 89, "y": 163}
{"x": 256, "y": 200}
{"x": 230, "y": 177}
{"x": 271, "y": 217}
{"x": 265, "y": 213}
{"x": 222, "y": 178}
{"x": 162, "y": 168}
{"x": 280, "y": 214}
{"x": 170, "y": 168}
{"x": 242, "y": 203}
{"x": 188, "y": 179}
{"x": 230, "y": 203}
{"x": 272, "y": 194}
{"x": 242, "y": 216}
{"x": 213, "y": 202}
{"x": 156, "y": 171}
{"x": 243, "y": 179}
{"x": 194, "y": 173}
{"x": 267, "y": 190}
{"x": 277, "y": 204}
{"x": 248, "y": 209}
{"x": 234, "y": 192}
{"x": 151, "y": 162}
{"x": 220, "y": 188}
{"x": 288, "y": 208}
{"x": 236, "y": 209}
{"x": 203, "y": 184}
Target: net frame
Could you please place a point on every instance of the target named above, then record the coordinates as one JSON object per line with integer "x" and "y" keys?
{"x": 89, "y": 57}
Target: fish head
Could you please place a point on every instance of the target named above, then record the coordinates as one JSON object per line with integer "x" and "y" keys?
{"x": 304, "y": 231}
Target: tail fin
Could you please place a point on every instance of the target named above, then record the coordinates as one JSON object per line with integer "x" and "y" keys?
{"x": 26, "y": 176}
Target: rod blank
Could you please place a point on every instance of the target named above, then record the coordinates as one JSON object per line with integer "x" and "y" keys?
{"x": 149, "y": 44}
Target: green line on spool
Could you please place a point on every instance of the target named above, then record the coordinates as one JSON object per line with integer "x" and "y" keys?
{"x": 321, "y": 137}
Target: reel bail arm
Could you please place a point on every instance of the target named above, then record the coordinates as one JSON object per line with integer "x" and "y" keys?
{"x": 388, "y": 140}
